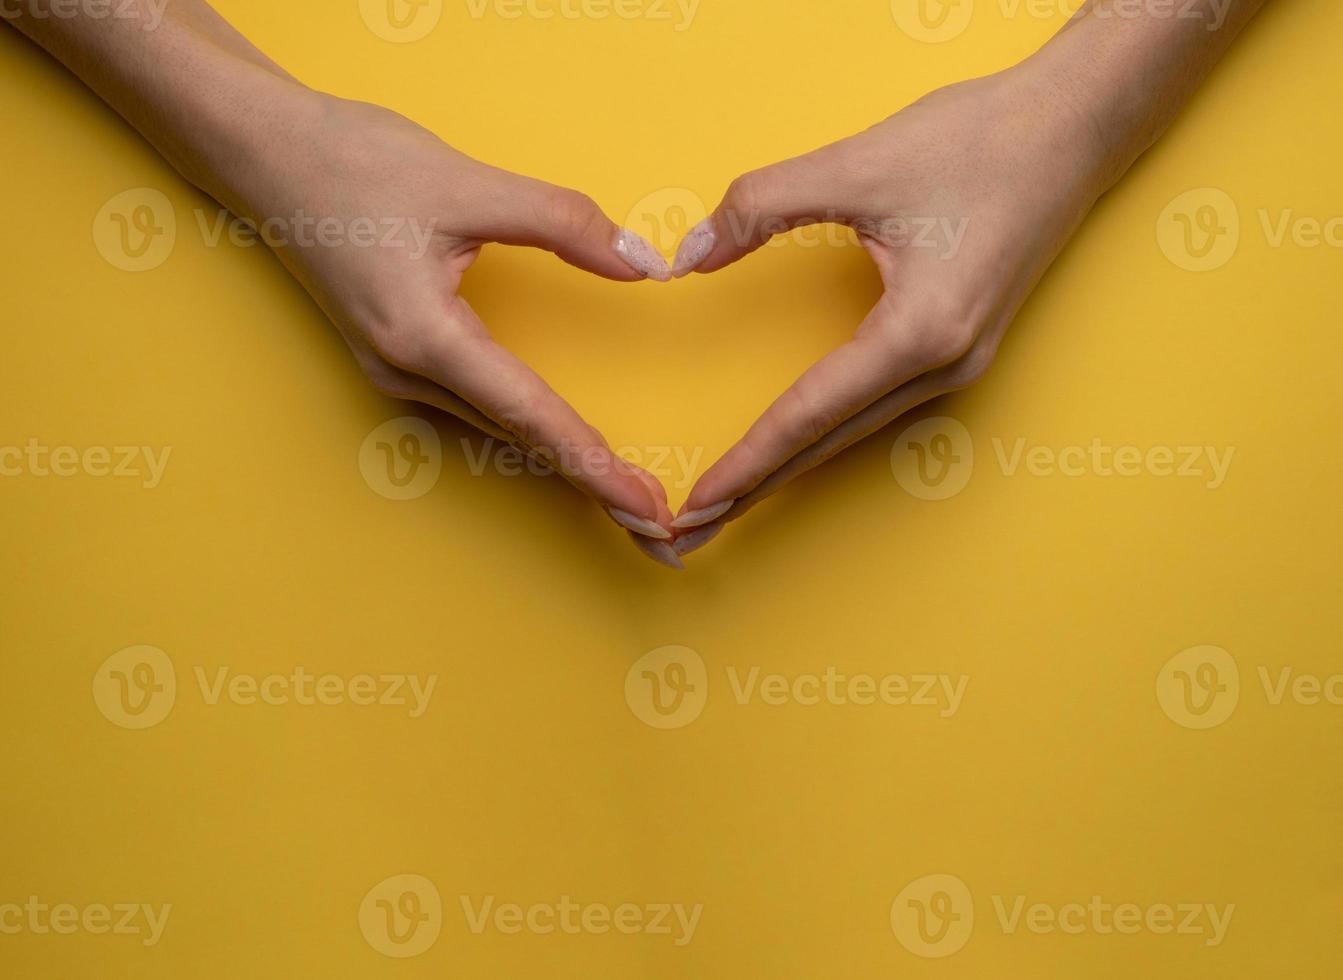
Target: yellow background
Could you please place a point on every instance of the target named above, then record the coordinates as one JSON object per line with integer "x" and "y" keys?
{"x": 530, "y": 777}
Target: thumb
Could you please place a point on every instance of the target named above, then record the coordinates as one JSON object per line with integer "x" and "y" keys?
{"x": 819, "y": 188}
{"x": 518, "y": 210}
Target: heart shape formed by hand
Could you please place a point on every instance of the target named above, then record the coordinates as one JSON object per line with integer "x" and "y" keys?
{"x": 970, "y": 165}
{"x": 972, "y": 168}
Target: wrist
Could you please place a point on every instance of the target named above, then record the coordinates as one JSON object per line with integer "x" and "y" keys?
{"x": 209, "y": 103}
{"x": 1046, "y": 125}
{"x": 1127, "y": 68}
{"x": 228, "y": 125}
{"x": 1105, "y": 134}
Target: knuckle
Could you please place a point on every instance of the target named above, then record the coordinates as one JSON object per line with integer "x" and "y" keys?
{"x": 812, "y": 419}
{"x": 519, "y": 420}
{"x": 944, "y": 341}
{"x": 397, "y": 344}
{"x": 746, "y": 195}
{"x": 518, "y": 427}
{"x": 571, "y": 213}
{"x": 752, "y": 463}
{"x": 971, "y": 367}
{"x": 388, "y": 382}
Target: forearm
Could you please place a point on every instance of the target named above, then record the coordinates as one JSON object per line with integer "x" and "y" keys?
{"x": 1130, "y": 66}
{"x": 208, "y": 100}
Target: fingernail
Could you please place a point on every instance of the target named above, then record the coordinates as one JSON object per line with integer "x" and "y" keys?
{"x": 640, "y": 255}
{"x": 698, "y": 517}
{"x": 696, "y": 539}
{"x": 698, "y": 243}
{"x": 660, "y": 551}
{"x": 638, "y": 525}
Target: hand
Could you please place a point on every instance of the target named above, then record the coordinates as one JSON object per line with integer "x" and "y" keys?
{"x": 1005, "y": 167}
{"x": 396, "y": 303}
{"x": 962, "y": 200}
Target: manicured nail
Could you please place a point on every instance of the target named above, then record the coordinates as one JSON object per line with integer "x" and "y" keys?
{"x": 696, "y": 539}
{"x": 698, "y": 243}
{"x": 640, "y": 255}
{"x": 697, "y": 518}
{"x": 638, "y": 525}
{"x": 660, "y": 551}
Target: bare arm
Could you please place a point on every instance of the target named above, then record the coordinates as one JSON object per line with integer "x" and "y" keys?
{"x": 290, "y": 158}
{"x": 1006, "y": 167}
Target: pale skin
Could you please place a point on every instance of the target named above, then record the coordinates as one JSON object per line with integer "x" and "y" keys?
{"x": 1014, "y": 162}
{"x": 267, "y": 147}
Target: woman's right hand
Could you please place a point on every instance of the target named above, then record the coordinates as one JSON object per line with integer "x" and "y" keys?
{"x": 352, "y": 165}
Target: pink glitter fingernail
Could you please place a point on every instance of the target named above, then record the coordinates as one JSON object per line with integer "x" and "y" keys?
{"x": 698, "y": 243}
{"x": 640, "y": 255}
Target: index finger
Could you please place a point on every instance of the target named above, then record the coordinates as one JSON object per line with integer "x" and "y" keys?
{"x": 473, "y": 366}
{"x": 884, "y": 355}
